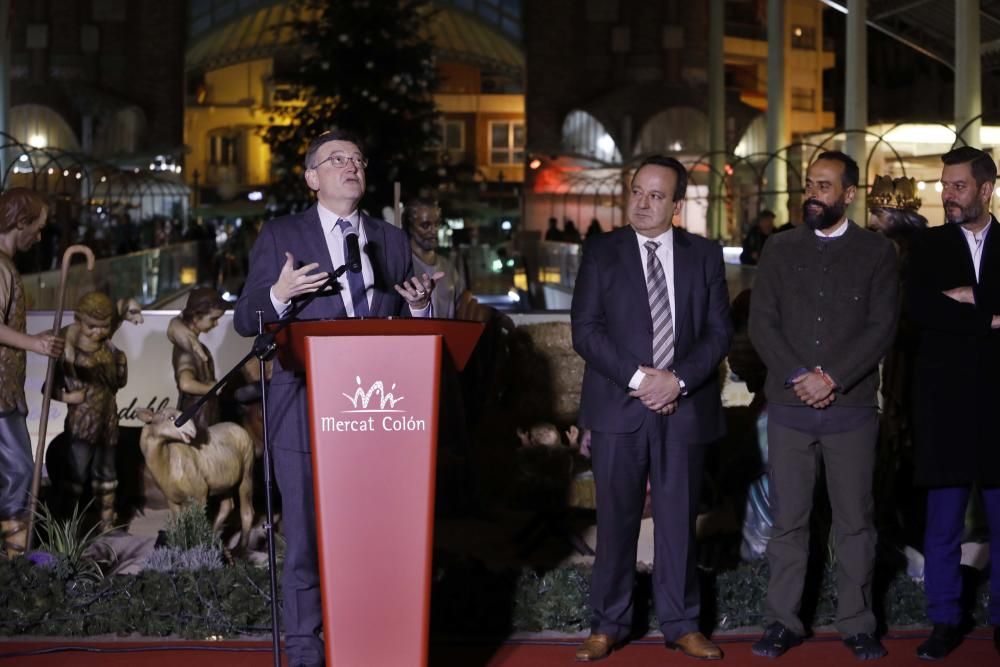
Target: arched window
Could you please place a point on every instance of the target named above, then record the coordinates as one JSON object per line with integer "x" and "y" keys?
{"x": 583, "y": 134}
{"x": 41, "y": 127}
{"x": 674, "y": 130}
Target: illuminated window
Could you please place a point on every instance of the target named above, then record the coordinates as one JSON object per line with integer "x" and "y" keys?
{"x": 585, "y": 135}
{"x": 506, "y": 142}
{"x": 223, "y": 149}
{"x": 803, "y": 99}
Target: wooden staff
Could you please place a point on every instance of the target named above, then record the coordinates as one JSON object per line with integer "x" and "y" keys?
{"x": 36, "y": 479}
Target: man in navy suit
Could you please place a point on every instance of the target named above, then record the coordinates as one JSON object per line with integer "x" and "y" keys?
{"x": 293, "y": 256}
{"x": 650, "y": 317}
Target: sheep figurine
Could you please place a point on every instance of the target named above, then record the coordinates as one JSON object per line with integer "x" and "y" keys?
{"x": 189, "y": 466}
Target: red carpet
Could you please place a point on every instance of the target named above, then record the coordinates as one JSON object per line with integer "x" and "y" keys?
{"x": 823, "y": 651}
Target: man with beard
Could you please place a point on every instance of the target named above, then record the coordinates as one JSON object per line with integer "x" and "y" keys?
{"x": 822, "y": 315}
{"x": 953, "y": 295}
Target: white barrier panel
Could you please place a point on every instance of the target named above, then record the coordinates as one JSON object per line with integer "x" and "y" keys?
{"x": 150, "y": 373}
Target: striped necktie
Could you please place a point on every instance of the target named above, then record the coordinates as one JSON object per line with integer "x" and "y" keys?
{"x": 356, "y": 281}
{"x": 659, "y": 308}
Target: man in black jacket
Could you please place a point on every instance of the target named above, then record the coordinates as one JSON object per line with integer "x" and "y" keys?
{"x": 822, "y": 315}
{"x": 953, "y": 294}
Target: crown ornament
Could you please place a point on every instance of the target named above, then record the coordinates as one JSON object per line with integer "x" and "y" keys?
{"x": 889, "y": 192}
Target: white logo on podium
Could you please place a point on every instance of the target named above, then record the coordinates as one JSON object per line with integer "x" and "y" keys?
{"x": 362, "y": 398}
{"x": 374, "y": 399}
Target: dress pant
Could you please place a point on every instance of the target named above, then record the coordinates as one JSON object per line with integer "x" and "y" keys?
{"x": 622, "y": 463}
{"x": 792, "y": 464}
{"x": 16, "y": 465}
{"x": 943, "y": 552}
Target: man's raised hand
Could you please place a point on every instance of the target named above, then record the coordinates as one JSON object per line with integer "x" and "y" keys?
{"x": 294, "y": 282}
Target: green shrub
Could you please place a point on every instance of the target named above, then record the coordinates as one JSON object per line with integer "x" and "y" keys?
{"x": 196, "y": 601}
{"x": 74, "y": 546}
{"x": 168, "y": 559}
{"x": 191, "y": 528}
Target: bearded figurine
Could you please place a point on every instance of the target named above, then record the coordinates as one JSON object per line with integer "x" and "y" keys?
{"x": 90, "y": 375}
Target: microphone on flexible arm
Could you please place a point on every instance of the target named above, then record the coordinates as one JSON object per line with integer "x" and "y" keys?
{"x": 353, "y": 259}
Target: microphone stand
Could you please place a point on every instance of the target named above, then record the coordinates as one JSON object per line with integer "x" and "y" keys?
{"x": 272, "y": 558}
{"x": 264, "y": 347}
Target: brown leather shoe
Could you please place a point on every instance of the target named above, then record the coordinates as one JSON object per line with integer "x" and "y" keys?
{"x": 595, "y": 647}
{"x": 696, "y": 645}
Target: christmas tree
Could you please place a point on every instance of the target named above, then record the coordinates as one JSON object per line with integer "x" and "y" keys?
{"x": 366, "y": 66}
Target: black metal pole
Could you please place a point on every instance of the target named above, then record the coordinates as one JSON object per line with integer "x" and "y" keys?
{"x": 272, "y": 559}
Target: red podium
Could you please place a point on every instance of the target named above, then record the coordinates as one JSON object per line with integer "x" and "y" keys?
{"x": 373, "y": 387}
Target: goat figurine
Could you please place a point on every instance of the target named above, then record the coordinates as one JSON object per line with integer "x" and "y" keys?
{"x": 190, "y": 466}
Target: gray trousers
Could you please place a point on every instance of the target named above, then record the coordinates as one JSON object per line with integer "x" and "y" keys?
{"x": 850, "y": 462}
{"x": 16, "y": 465}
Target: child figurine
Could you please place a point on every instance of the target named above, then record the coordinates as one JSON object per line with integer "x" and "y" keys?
{"x": 22, "y": 217}
{"x": 194, "y": 368}
{"x": 126, "y": 310}
{"x": 89, "y": 382}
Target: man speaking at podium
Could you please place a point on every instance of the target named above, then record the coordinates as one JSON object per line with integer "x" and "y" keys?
{"x": 294, "y": 256}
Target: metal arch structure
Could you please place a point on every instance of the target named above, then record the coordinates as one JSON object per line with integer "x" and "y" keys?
{"x": 880, "y": 139}
{"x": 578, "y": 186}
{"x": 68, "y": 167}
{"x": 705, "y": 160}
{"x": 960, "y": 132}
{"x": 758, "y": 164}
{"x": 926, "y": 27}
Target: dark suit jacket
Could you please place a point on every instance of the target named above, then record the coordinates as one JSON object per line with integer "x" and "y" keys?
{"x": 958, "y": 358}
{"x": 302, "y": 235}
{"x": 613, "y": 332}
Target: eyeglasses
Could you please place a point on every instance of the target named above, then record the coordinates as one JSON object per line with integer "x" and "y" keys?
{"x": 340, "y": 161}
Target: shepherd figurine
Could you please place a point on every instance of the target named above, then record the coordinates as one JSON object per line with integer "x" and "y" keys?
{"x": 22, "y": 217}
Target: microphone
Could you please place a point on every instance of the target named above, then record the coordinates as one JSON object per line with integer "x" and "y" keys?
{"x": 353, "y": 259}
{"x": 186, "y": 416}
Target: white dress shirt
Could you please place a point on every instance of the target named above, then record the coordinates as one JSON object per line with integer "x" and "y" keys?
{"x": 665, "y": 253}
{"x": 837, "y": 231}
{"x": 976, "y": 242}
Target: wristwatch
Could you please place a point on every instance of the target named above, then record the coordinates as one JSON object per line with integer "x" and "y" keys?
{"x": 681, "y": 384}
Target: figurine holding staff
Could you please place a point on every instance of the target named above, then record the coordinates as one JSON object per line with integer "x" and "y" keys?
{"x": 22, "y": 216}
